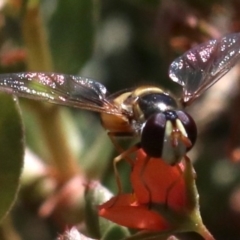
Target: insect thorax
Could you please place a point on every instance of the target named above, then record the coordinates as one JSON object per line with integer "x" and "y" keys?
{"x": 146, "y": 101}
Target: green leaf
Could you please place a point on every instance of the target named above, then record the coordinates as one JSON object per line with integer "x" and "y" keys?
{"x": 97, "y": 194}
{"x": 116, "y": 232}
{"x": 11, "y": 152}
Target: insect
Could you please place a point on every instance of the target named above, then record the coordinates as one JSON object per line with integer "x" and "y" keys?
{"x": 149, "y": 113}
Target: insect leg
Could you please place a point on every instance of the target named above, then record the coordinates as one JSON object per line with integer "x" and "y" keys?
{"x": 117, "y": 159}
{"x": 145, "y": 162}
{"x": 120, "y": 150}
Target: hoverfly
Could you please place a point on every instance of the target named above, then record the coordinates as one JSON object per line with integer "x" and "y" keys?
{"x": 148, "y": 113}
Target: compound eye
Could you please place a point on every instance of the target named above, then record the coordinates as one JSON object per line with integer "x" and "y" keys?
{"x": 153, "y": 135}
{"x": 189, "y": 126}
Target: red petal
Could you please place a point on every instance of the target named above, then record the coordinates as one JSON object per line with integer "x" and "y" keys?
{"x": 156, "y": 181}
{"x": 177, "y": 197}
{"x": 123, "y": 211}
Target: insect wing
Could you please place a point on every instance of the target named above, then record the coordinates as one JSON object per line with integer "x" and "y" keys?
{"x": 61, "y": 89}
{"x": 202, "y": 66}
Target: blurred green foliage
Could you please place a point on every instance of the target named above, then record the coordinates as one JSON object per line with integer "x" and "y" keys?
{"x": 71, "y": 34}
{"x": 11, "y": 152}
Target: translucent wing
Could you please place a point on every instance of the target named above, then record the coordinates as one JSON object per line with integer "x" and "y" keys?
{"x": 61, "y": 89}
{"x": 199, "y": 68}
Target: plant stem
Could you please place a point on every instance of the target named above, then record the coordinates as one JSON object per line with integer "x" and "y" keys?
{"x": 203, "y": 231}
{"x": 34, "y": 34}
{"x": 7, "y": 232}
{"x": 39, "y": 59}
{"x": 50, "y": 118}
